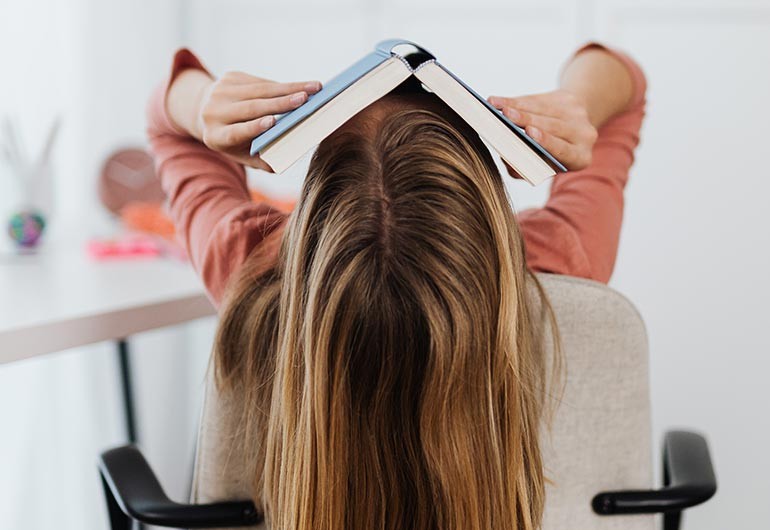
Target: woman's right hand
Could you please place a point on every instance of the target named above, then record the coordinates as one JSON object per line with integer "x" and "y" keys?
{"x": 238, "y": 107}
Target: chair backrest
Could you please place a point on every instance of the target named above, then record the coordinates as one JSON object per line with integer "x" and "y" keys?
{"x": 600, "y": 435}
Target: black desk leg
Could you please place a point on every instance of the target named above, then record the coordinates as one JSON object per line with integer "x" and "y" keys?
{"x": 128, "y": 391}
{"x": 129, "y": 411}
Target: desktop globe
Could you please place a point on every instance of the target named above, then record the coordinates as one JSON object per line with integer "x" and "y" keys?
{"x": 26, "y": 228}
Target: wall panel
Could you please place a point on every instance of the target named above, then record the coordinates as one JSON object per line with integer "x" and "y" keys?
{"x": 696, "y": 233}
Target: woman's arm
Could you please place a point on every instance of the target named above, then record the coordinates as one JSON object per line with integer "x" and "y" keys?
{"x": 601, "y": 81}
{"x": 207, "y": 196}
{"x": 577, "y": 231}
{"x": 184, "y": 98}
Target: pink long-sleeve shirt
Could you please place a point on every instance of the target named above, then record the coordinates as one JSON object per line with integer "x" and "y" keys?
{"x": 575, "y": 233}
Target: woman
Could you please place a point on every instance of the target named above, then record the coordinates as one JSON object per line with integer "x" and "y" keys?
{"x": 382, "y": 341}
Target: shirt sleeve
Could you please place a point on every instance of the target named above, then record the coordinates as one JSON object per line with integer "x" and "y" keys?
{"x": 577, "y": 231}
{"x": 207, "y": 195}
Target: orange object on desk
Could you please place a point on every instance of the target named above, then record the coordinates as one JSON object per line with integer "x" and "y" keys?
{"x": 151, "y": 218}
{"x": 147, "y": 217}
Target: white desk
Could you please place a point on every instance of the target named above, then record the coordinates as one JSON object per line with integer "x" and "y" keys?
{"x": 61, "y": 299}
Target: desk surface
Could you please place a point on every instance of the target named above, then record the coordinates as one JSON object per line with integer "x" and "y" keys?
{"x": 61, "y": 299}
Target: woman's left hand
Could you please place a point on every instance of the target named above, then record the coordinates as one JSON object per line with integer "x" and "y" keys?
{"x": 556, "y": 120}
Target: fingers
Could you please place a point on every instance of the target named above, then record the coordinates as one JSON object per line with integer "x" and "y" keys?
{"x": 574, "y": 156}
{"x": 255, "y": 108}
{"x": 578, "y": 133}
{"x": 555, "y": 126}
{"x": 246, "y": 131}
{"x": 233, "y": 103}
{"x": 558, "y": 104}
{"x": 261, "y": 89}
{"x": 224, "y": 138}
{"x": 537, "y": 104}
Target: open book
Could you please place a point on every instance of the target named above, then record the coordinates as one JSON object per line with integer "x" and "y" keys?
{"x": 371, "y": 78}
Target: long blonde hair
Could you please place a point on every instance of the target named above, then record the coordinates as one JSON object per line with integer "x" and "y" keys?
{"x": 390, "y": 364}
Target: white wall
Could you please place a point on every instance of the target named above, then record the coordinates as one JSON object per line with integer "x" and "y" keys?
{"x": 695, "y": 244}
{"x": 693, "y": 253}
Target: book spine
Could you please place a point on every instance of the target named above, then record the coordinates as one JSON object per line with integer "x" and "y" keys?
{"x": 431, "y": 61}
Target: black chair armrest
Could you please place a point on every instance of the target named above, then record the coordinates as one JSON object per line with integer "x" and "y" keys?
{"x": 688, "y": 480}
{"x": 133, "y": 492}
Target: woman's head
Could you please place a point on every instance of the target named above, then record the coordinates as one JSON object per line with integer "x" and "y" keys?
{"x": 391, "y": 350}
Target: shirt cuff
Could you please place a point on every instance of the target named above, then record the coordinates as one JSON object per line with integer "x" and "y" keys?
{"x": 158, "y": 119}
{"x": 638, "y": 80}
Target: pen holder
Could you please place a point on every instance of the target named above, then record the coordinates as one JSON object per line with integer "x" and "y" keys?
{"x": 30, "y": 186}
{"x": 26, "y": 217}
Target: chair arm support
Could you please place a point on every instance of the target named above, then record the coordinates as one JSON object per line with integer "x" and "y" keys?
{"x": 138, "y": 494}
{"x": 688, "y": 480}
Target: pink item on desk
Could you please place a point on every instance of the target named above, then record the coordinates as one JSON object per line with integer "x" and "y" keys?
{"x": 135, "y": 246}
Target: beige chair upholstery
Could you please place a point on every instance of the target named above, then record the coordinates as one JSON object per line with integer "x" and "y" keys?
{"x": 600, "y": 437}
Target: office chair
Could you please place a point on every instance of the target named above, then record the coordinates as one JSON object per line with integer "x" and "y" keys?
{"x": 597, "y": 453}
